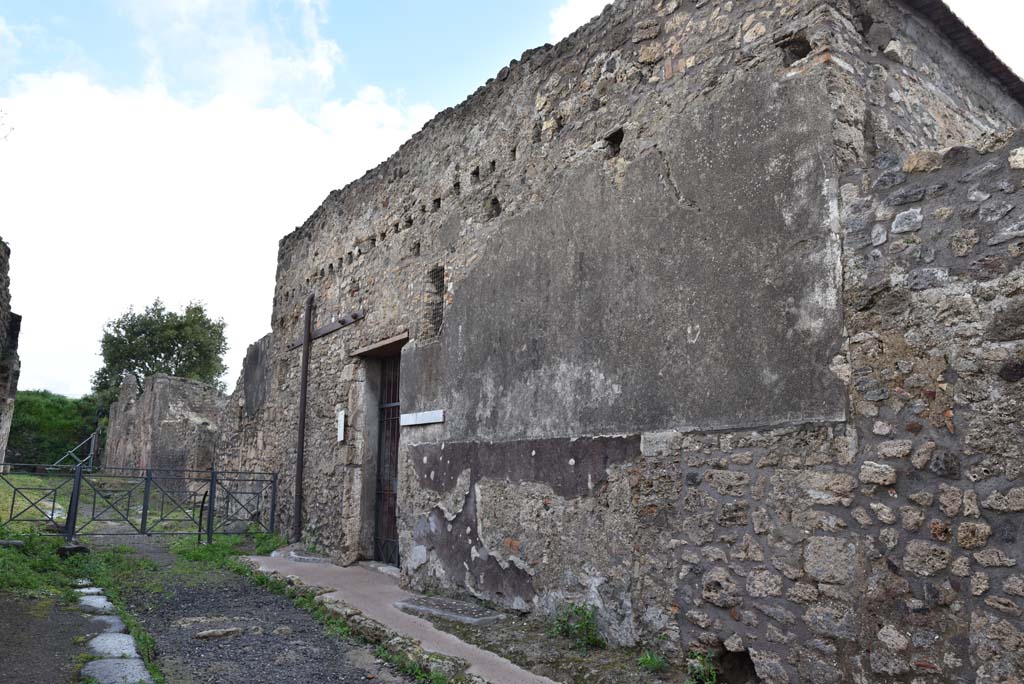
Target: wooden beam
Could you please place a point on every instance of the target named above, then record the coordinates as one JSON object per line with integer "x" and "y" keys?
{"x": 334, "y": 326}
{"x": 383, "y": 347}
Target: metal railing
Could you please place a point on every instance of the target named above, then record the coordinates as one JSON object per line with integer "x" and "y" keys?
{"x": 72, "y": 454}
{"x": 81, "y": 500}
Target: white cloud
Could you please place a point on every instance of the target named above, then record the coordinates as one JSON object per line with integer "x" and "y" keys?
{"x": 7, "y": 38}
{"x": 572, "y": 14}
{"x": 113, "y": 198}
{"x": 224, "y": 48}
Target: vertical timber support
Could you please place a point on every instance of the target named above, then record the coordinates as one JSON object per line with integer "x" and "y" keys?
{"x": 145, "y": 500}
{"x": 71, "y": 522}
{"x": 212, "y": 506}
{"x": 273, "y": 504}
{"x": 300, "y": 450}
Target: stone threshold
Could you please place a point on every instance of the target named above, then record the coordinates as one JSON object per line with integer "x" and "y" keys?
{"x": 367, "y": 600}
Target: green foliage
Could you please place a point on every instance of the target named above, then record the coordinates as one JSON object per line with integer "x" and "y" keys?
{"x": 264, "y": 543}
{"x": 410, "y": 667}
{"x": 578, "y": 623}
{"x": 700, "y": 669}
{"x": 186, "y": 345}
{"x": 35, "y": 570}
{"x": 46, "y": 425}
{"x": 222, "y": 553}
{"x": 651, "y": 661}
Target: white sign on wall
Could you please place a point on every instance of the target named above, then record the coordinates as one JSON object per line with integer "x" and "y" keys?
{"x": 341, "y": 426}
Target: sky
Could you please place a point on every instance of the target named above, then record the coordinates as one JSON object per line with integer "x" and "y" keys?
{"x": 161, "y": 148}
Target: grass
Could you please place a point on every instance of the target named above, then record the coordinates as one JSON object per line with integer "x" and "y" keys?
{"x": 651, "y": 661}
{"x": 36, "y": 571}
{"x": 22, "y": 508}
{"x": 579, "y": 624}
{"x": 700, "y": 669}
{"x": 410, "y": 667}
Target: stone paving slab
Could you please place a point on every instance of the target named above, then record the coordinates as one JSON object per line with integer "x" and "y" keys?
{"x": 113, "y": 646}
{"x": 450, "y": 609}
{"x": 109, "y": 624}
{"x": 96, "y": 604}
{"x": 117, "y": 671}
{"x": 300, "y": 554}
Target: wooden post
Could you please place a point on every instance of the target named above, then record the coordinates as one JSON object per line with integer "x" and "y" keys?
{"x": 300, "y": 451}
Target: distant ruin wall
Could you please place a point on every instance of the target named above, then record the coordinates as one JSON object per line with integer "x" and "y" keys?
{"x": 173, "y": 423}
{"x": 10, "y": 364}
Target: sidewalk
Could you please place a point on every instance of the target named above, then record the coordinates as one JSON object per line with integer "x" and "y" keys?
{"x": 374, "y": 594}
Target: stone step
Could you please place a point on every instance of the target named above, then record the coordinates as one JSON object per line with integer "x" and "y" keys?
{"x": 450, "y": 609}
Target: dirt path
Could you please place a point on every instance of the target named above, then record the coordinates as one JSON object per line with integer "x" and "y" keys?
{"x": 270, "y": 641}
{"x": 37, "y": 640}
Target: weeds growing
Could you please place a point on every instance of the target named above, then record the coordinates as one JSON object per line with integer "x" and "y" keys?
{"x": 579, "y": 624}
{"x": 651, "y": 661}
{"x": 700, "y": 669}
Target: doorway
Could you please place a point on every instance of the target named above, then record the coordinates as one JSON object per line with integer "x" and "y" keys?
{"x": 385, "y": 535}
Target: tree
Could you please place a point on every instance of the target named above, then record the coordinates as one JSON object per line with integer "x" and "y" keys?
{"x": 186, "y": 345}
{"x": 46, "y": 425}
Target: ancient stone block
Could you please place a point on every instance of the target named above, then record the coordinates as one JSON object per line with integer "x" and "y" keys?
{"x": 719, "y": 589}
{"x": 1011, "y": 501}
{"x": 994, "y": 558}
{"x": 898, "y": 448}
{"x": 950, "y": 500}
{"x": 831, "y": 620}
{"x": 728, "y": 482}
{"x": 877, "y": 473}
{"x": 1008, "y": 323}
{"x": 922, "y": 161}
{"x": 763, "y": 583}
{"x": 1017, "y": 158}
{"x": 972, "y": 535}
{"x": 909, "y": 221}
{"x": 1014, "y": 585}
{"x": 925, "y": 558}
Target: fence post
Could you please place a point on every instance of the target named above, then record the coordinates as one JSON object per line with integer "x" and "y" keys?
{"x": 273, "y": 503}
{"x": 212, "y": 506}
{"x": 145, "y": 499}
{"x": 92, "y": 448}
{"x": 71, "y": 521}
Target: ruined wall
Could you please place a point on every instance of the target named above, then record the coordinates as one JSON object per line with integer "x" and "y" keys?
{"x": 935, "y": 312}
{"x": 650, "y": 360}
{"x": 899, "y": 85}
{"x": 10, "y": 364}
{"x": 173, "y": 423}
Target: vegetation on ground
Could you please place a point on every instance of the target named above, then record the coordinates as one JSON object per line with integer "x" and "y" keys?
{"x": 651, "y": 661}
{"x": 410, "y": 667}
{"x": 700, "y": 668}
{"x": 45, "y": 426}
{"x": 579, "y": 624}
{"x": 35, "y": 570}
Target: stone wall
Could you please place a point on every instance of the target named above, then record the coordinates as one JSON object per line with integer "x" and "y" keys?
{"x": 935, "y": 316}
{"x": 172, "y": 424}
{"x": 10, "y": 364}
{"x": 663, "y": 331}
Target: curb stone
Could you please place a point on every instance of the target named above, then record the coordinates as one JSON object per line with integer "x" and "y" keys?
{"x": 374, "y": 633}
